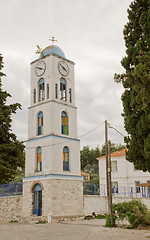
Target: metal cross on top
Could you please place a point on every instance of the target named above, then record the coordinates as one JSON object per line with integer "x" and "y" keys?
{"x": 52, "y": 40}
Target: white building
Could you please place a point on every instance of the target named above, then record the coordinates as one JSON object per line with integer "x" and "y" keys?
{"x": 53, "y": 186}
{"x": 125, "y": 179}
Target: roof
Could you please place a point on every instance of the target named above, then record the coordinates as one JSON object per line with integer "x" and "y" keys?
{"x": 86, "y": 174}
{"x": 52, "y": 49}
{"x": 119, "y": 153}
{"x": 144, "y": 185}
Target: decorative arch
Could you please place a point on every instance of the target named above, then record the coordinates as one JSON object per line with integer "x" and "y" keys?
{"x": 40, "y": 123}
{"x": 63, "y": 89}
{"x": 33, "y": 185}
{"x": 65, "y": 159}
{"x": 64, "y": 123}
{"x": 41, "y": 89}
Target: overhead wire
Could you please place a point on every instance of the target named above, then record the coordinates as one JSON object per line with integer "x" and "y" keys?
{"x": 54, "y": 144}
{"x": 109, "y": 125}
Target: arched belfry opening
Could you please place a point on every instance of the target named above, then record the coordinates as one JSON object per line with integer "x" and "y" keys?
{"x": 37, "y": 200}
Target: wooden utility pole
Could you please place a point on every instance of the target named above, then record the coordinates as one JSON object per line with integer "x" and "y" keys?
{"x": 106, "y": 153}
{"x": 110, "y": 185}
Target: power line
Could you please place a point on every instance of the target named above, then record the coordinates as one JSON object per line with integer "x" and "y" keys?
{"x": 92, "y": 130}
{"x": 54, "y": 144}
{"x": 115, "y": 130}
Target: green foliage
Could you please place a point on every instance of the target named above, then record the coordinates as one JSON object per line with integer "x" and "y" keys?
{"x": 85, "y": 157}
{"x": 13, "y": 221}
{"x": 135, "y": 211}
{"x": 108, "y": 221}
{"x": 19, "y": 175}
{"x": 94, "y": 178}
{"x": 41, "y": 222}
{"x": 93, "y": 216}
{"x": 11, "y": 150}
{"x": 89, "y": 163}
{"x": 136, "y": 82}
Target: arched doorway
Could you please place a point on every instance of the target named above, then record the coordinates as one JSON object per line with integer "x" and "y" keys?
{"x": 37, "y": 200}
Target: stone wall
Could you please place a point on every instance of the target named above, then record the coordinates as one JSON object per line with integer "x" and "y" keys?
{"x": 10, "y": 208}
{"x": 60, "y": 198}
{"x": 69, "y": 201}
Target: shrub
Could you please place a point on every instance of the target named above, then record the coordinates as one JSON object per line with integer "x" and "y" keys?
{"x": 108, "y": 221}
{"x": 135, "y": 211}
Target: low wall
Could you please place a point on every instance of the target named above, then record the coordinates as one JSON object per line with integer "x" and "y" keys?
{"x": 10, "y": 208}
{"x": 94, "y": 203}
{"x": 98, "y": 204}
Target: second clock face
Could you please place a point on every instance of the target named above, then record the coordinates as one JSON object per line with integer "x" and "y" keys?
{"x": 63, "y": 68}
{"x": 40, "y": 68}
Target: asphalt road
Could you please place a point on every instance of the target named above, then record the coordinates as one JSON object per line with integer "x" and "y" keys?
{"x": 77, "y": 230}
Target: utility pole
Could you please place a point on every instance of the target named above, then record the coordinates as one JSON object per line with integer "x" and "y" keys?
{"x": 106, "y": 153}
{"x": 110, "y": 185}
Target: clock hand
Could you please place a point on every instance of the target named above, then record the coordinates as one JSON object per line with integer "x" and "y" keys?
{"x": 63, "y": 67}
{"x": 40, "y": 68}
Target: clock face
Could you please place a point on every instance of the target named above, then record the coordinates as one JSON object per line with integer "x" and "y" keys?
{"x": 63, "y": 68}
{"x": 40, "y": 68}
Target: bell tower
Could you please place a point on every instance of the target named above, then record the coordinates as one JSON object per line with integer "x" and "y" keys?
{"x": 52, "y": 187}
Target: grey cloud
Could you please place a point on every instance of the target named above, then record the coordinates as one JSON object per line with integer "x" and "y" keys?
{"x": 90, "y": 34}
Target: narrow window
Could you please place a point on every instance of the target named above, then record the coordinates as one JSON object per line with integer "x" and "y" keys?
{"x": 70, "y": 95}
{"x": 40, "y": 123}
{"x": 64, "y": 123}
{"x": 114, "y": 166}
{"x": 137, "y": 183}
{"x": 39, "y": 159}
{"x": 41, "y": 89}
{"x": 56, "y": 95}
{"x": 114, "y": 187}
{"x": 34, "y": 97}
{"x": 47, "y": 91}
{"x": 63, "y": 89}
{"x": 65, "y": 159}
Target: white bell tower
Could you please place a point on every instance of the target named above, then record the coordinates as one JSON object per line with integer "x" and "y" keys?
{"x": 53, "y": 184}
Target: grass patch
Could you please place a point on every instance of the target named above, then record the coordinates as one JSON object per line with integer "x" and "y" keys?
{"x": 41, "y": 222}
{"x": 13, "y": 221}
{"x": 93, "y": 216}
{"x": 100, "y": 216}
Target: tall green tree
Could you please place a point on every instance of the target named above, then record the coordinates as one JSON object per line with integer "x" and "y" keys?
{"x": 85, "y": 156}
{"x": 88, "y": 157}
{"x": 136, "y": 82}
{"x": 11, "y": 150}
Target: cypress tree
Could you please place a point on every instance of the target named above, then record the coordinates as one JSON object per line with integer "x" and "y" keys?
{"x": 11, "y": 150}
{"x": 136, "y": 83}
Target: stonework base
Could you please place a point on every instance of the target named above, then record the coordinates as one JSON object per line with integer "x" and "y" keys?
{"x": 62, "y": 199}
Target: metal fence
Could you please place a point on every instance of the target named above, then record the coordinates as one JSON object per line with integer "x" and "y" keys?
{"x": 126, "y": 191}
{"x": 11, "y": 189}
{"x": 90, "y": 189}
{"x": 117, "y": 191}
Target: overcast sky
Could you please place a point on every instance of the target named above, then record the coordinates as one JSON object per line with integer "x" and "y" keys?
{"x": 90, "y": 34}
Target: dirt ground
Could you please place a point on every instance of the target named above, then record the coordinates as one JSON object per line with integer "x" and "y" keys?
{"x": 77, "y": 230}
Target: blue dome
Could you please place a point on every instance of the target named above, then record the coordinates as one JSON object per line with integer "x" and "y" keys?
{"x": 52, "y": 49}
